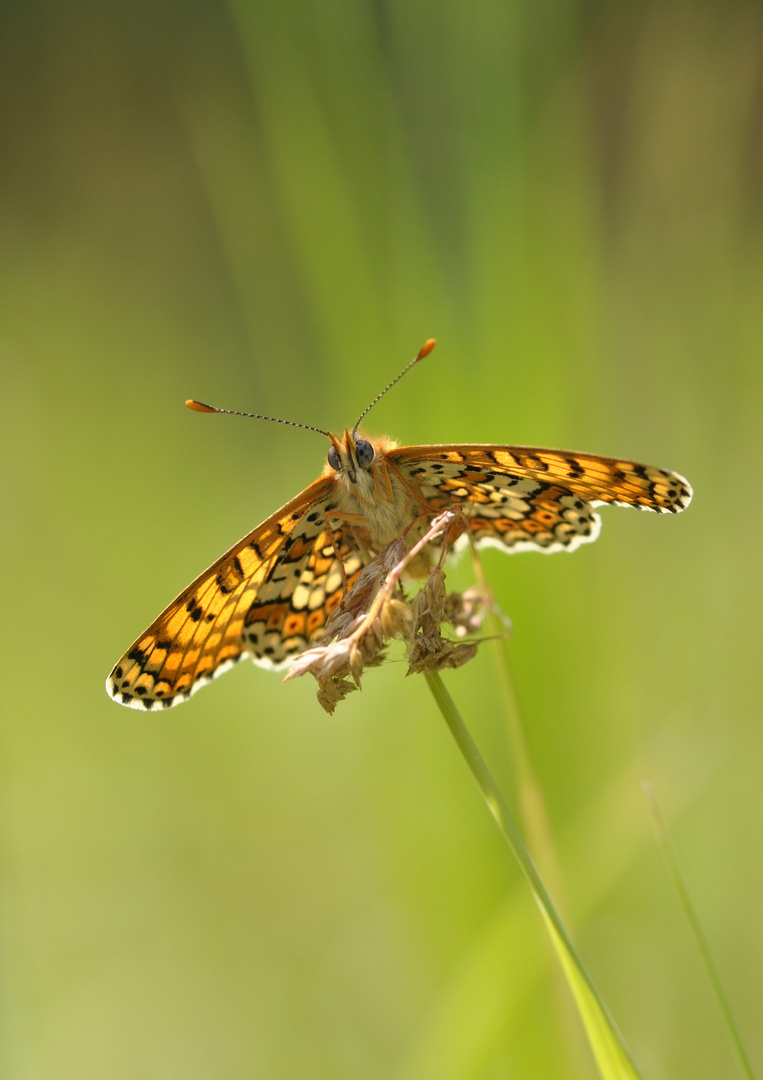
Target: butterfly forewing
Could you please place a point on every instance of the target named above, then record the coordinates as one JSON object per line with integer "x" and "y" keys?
{"x": 266, "y": 598}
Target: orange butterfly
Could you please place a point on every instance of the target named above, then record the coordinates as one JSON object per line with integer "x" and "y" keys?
{"x": 269, "y": 597}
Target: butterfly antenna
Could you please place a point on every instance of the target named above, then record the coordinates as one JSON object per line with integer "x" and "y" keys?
{"x": 199, "y": 406}
{"x": 425, "y": 350}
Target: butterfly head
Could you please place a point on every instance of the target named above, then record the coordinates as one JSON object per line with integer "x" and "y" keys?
{"x": 352, "y": 455}
{"x": 364, "y": 488}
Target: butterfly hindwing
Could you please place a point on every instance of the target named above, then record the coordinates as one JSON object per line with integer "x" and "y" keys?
{"x": 291, "y": 607}
{"x": 521, "y": 498}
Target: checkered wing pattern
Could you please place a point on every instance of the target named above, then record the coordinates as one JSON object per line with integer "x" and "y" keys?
{"x": 267, "y": 598}
{"x": 527, "y": 498}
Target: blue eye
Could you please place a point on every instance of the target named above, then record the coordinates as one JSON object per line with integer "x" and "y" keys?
{"x": 333, "y": 459}
{"x": 364, "y": 453}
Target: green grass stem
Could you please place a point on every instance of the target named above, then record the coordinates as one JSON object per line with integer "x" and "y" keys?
{"x": 670, "y": 856}
{"x": 607, "y": 1045}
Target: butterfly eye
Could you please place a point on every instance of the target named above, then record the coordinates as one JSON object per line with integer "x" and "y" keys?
{"x": 364, "y": 453}
{"x": 333, "y": 459}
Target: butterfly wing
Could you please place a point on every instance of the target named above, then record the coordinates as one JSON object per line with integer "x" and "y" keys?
{"x": 270, "y": 595}
{"x": 528, "y": 498}
{"x": 266, "y": 598}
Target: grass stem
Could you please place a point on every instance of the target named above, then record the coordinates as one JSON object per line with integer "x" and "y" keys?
{"x": 606, "y": 1042}
{"x": 670, "y": 856}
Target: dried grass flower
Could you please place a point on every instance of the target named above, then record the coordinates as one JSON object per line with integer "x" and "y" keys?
{"x": 377, "y": 610}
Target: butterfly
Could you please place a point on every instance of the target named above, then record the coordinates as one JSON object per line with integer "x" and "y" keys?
{"x": 269, "y": 597}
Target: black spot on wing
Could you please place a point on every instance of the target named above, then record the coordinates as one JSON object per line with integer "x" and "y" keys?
{"x": 194, "y": 609}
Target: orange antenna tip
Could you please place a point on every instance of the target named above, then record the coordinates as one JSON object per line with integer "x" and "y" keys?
{"x": 199, "y": 406}
{"x": 426, "y": 348}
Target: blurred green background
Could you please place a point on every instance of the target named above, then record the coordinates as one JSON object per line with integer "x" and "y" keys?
{"x": 271, "y": 207}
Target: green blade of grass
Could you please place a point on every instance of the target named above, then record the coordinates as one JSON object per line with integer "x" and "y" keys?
{"x": 607, "y": 1045}
{"x": 671, "y": 861}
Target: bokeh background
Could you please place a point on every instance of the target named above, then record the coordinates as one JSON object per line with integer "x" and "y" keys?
{"x": 271, "y": 207}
